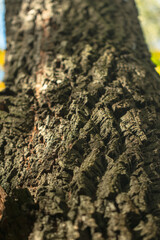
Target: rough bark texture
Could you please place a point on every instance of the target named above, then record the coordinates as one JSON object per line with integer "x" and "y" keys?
{"x": 80, "y": 124}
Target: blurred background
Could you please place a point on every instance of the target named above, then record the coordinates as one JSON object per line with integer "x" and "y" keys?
{"x": 2, "y": 43}
{"x": 149, "y": 16}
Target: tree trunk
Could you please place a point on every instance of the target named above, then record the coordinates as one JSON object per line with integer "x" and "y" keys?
{"x": 80, "y": 124}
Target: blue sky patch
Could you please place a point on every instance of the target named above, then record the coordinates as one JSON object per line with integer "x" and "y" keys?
{"x": 2, "y": 25}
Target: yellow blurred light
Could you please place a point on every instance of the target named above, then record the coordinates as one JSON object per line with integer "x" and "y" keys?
{"x": 2, "y": 86}
{"x": 2, "y": 57}
{"x": 158, "y": 69}
{"x": 155, "y": 57}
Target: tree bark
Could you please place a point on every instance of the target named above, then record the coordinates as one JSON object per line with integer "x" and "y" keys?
{"x": 80, "y": 124}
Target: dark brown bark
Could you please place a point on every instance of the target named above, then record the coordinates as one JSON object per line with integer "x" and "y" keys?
{"x": 80, "y": 129}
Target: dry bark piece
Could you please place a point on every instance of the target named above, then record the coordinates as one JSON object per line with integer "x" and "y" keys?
{"x": 2, "y": 200}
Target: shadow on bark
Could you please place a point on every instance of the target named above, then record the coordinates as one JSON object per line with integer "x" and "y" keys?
{"x": 18, "y": 217}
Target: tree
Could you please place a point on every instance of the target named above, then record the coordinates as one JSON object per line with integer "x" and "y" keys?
{"x": 79, "y": 123}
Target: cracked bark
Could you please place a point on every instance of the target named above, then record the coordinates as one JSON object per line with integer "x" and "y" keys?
{"x": 80, "y": 124}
